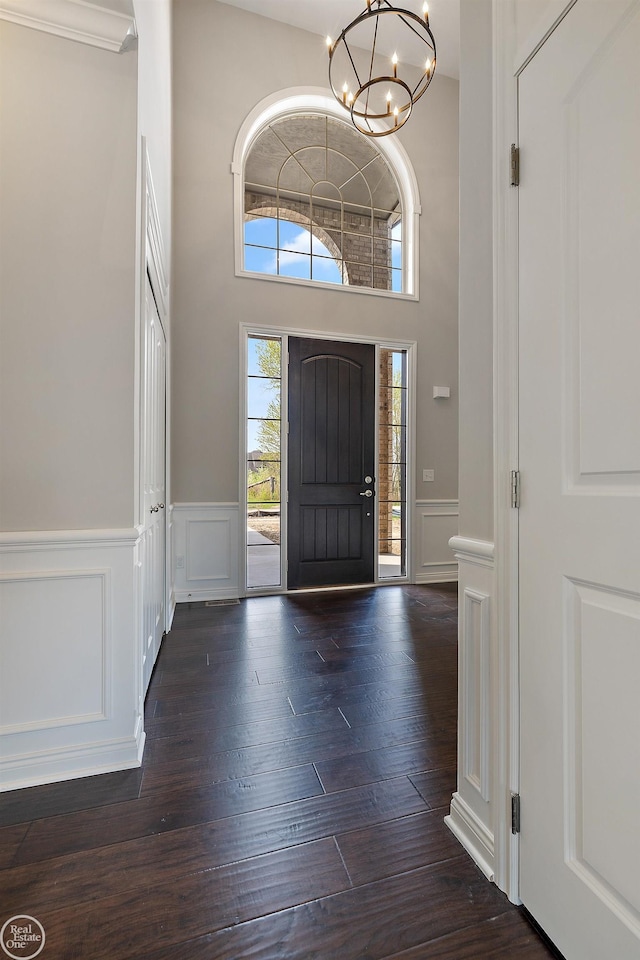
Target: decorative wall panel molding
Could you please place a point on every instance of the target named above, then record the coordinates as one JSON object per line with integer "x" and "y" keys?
{"x": 77, "y": 602}
{"x": 435, "y": 523}
{"x": 69, "y": 705}
{"x": 205, "y": 551}
{"x": 472, "y": 807}
{"x": 475, "y": 686}
{"x": 73, "y": 20}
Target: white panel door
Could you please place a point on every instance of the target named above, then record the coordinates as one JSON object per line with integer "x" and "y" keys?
{"x": 152, "y": 549}
{"x": 579, "y": 310}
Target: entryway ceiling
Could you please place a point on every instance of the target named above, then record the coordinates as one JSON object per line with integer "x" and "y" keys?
{"x": 330, "y": 17}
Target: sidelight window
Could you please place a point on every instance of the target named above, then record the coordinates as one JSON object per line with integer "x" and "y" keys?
{"x": 263, "y": 463}
{"x": 392, "y": 465}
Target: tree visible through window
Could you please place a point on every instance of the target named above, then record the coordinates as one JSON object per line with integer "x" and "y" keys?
{"x": 322, "y": 204}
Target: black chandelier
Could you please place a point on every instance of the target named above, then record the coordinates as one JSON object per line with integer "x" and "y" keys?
{"x": 378, "y": 91}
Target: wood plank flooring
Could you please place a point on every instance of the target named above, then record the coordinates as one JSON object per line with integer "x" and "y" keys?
{"x": 300, "y": 759}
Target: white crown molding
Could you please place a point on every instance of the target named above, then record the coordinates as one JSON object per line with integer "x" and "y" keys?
{"x": 73, "y": 20}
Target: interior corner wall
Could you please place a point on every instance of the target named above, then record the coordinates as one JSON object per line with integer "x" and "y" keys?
{"x": 476, "y": 271}
{"x": 67, "y": 283}
{"x": 225, "y": 62}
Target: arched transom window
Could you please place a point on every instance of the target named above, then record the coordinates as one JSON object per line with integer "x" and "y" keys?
{"x": 321, "y": 203}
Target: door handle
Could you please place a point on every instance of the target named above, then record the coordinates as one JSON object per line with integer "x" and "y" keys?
{"x": 154, "y": 509}
{"x": 367, "y": 493}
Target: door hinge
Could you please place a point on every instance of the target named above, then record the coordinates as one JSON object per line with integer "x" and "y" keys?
{"x": 515, "y": 489}
{"x": 515, "y": 166}
{"x": 515, "y": 813}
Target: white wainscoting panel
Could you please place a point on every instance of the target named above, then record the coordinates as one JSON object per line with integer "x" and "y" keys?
{"x": 205, "y": 551}
{"x": 474, "y": 760}
{"x": 471, "y": 814}
{"x": 69, "y": 704}
{"x": 435, "y": 523}
{"x": 76, "y": 602}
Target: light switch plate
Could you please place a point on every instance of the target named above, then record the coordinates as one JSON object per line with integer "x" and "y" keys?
{"x": 428, "y": 475}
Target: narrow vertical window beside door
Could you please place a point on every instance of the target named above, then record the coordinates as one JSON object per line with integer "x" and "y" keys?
{"x": 392, "y": 459}
{"x": 263, "y": 477}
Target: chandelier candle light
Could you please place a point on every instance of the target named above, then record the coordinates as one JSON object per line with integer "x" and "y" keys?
{"x": 379, "y": 88}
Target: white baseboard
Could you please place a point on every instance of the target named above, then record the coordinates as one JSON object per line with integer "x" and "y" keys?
{"x": 171, "y": 609}
{"x": 472, "y": 834}
{"x": 438, "y": 573}
{"x": 71, "y": 763}
{"x": 198, "y": 595}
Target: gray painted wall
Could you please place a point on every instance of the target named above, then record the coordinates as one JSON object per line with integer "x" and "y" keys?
{"x": 476, "y": 271}
{"x": 67, "y": 283}
{"x": 225, "y": 62}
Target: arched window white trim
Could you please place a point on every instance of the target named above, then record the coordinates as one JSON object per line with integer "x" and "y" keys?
{"x": 305, "y": 100}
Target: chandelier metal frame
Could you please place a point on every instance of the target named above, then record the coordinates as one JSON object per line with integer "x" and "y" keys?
{"x": 363, "y": 116}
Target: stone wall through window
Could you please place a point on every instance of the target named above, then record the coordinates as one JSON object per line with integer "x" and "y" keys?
{"x": 320, "y": 173}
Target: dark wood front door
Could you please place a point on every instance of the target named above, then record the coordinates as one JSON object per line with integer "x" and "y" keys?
{"x": 331, "y": 517}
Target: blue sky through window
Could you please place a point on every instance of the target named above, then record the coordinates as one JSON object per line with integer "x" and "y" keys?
{"x": 294, "y": 256}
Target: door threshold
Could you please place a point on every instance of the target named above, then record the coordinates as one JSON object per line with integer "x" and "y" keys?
{"x": 259, "y": 592}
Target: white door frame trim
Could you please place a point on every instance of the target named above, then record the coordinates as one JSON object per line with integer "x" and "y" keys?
{"x": 508, "y": 63}
{"x": 246, "y": 329}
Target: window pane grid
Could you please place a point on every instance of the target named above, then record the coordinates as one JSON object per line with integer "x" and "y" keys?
{"x": 263, "y": 472}
{"x": 324, "y": 194}
{"x": 392, "y": 507}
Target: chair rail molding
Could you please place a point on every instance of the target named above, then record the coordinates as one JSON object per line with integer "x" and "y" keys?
{"x": 69, "y": 672}
{"x": 466, "y": 549}
{"x": 74, "y": 20}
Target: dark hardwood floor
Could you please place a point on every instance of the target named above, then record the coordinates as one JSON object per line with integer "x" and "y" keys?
{"x": 299, "y": 762}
